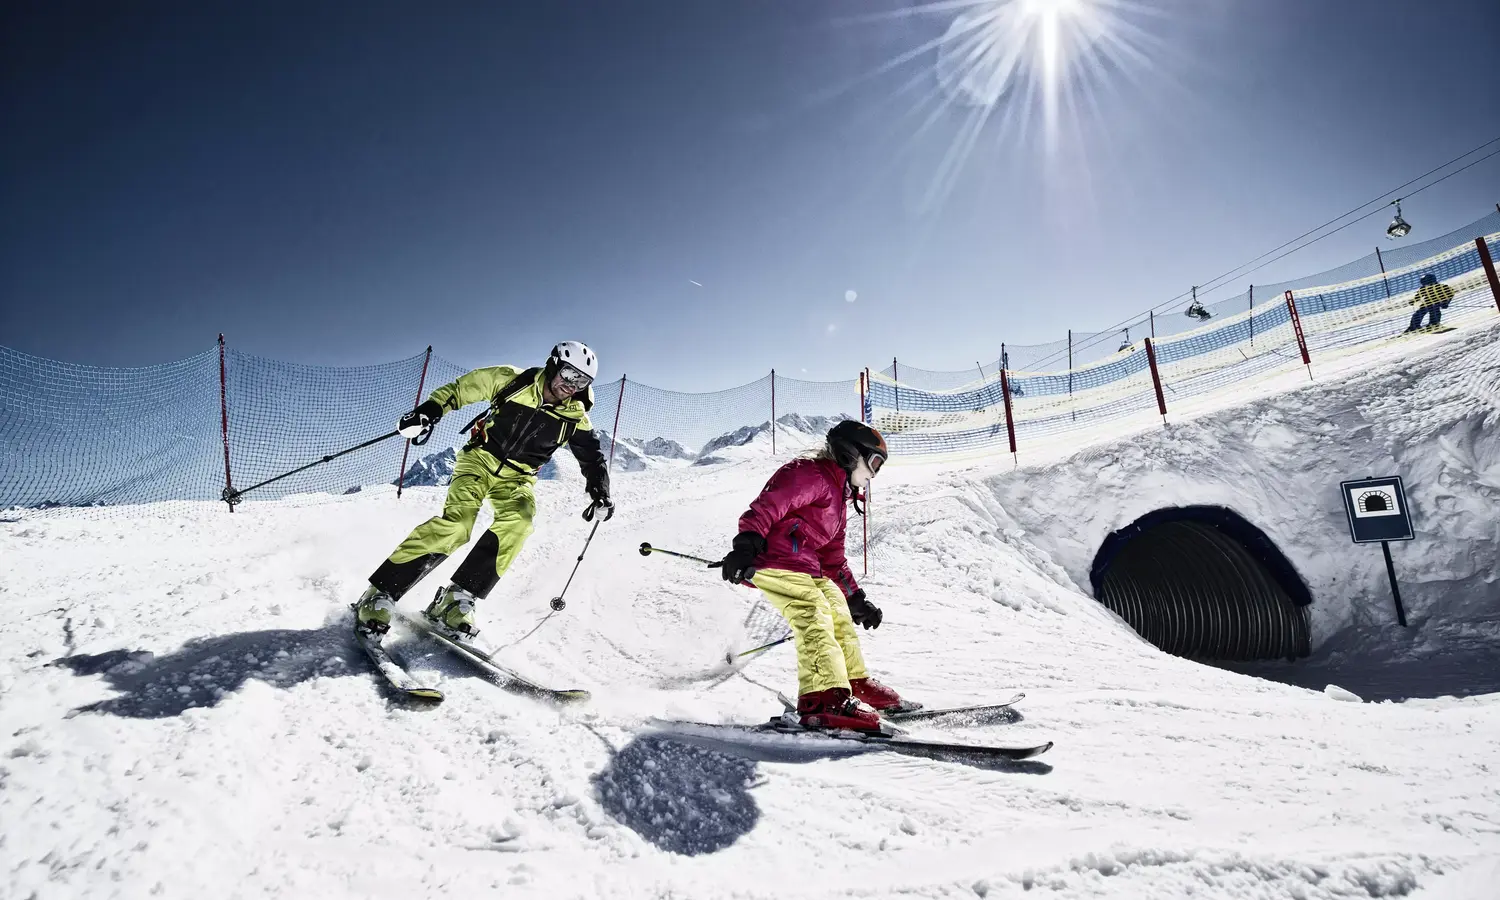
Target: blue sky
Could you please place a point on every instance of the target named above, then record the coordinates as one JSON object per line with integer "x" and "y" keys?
{"x": 692, "y": 187}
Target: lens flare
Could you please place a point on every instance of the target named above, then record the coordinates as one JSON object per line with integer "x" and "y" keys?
{"x": 1036, "y": 50}
{"x": 1031, "y": 66}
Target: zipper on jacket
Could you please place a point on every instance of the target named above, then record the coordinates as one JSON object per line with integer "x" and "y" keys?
{"x": 793, "y": 535}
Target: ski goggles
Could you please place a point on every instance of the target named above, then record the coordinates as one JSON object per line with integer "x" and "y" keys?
{"x": 573, "y": 378}
{"x": 874, "y": 461}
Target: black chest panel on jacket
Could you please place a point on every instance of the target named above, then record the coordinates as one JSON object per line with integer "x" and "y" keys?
{"x": 525, "y": 434}
{"x": 517, "y": 433}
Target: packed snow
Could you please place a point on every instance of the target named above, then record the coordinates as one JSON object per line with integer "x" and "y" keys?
{"x": 186, "y": 715}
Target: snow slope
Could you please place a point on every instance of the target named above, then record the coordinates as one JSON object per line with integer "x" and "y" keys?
{"x": 184, "y": 715}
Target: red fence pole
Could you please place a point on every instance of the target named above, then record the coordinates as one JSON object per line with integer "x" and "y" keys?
{"x": 614, "y": 433}
{"x": 224, "y": 422}
{"x": 1301, "y": 340}
{"x": 1010, "y": 426}
{"x": 406, "y": 445}
{"x": 864, "y": 381}
{"x": 1161, "y": 400}
{"x": 1489, "y": 267}
{"x": 773, "y": 412}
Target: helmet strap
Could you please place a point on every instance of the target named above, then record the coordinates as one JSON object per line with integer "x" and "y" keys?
{"x": 856, "y": 496}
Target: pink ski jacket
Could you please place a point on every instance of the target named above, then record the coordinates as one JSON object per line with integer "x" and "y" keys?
{"x": 802, "y": 512}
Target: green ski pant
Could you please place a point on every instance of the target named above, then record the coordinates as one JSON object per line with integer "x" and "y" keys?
{"x": 474, "y": 481}
{"x": 828, "y": 652}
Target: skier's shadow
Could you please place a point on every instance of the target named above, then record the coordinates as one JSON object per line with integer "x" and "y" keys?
{"x": 206, "y": 670}
{"x": 679, "y": 797}
{"x": 690, "y": 794}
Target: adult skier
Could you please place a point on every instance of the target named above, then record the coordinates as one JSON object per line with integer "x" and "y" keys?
{"x": 792, "y": 537}
{"x": 1431, "y": 298}
{"x": 532, "y": 412}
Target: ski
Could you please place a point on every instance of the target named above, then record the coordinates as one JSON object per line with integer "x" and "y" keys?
{"x": 1000, "y": 711}
{"x": 1430, "y": 329}
{"x": 916, "y": 712}
{"x": 482, "y": 659}
{"x": 392, "y": 671}
{"x": 897, "y": 743}
{"x": 907, "y": 706}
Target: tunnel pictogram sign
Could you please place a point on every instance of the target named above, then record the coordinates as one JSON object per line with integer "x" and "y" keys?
{"x": 1377, "y": 510}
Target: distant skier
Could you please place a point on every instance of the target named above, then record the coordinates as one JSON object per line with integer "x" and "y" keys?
{"x": 1431, "y": 299}
{"x": 793, "y": 537}
{"x": 532, "y": 413}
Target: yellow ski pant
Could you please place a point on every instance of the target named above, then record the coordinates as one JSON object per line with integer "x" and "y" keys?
{"x": 474, "y": 481}
{"x": 828, "y": 653}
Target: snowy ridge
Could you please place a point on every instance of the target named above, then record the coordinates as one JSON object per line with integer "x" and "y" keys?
{"x": 252, "y": 753}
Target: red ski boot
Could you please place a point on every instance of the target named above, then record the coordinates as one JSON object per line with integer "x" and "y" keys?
{"x": 875, "y": 694}
{"x": 836, "y": 708}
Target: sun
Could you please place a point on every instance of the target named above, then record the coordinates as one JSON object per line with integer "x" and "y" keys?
{"x": 1035, "y": 55}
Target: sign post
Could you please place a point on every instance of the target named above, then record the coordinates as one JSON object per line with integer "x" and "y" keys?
{"x": 1377, "y": 512}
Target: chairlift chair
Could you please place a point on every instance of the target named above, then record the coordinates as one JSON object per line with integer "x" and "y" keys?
{"x": 1399, "y": 227}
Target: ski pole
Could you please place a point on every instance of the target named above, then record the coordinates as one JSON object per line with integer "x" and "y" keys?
{"x": 233, "y": 497}
{"x": 776, "y": 643}
{"x": 558, "y": 604}
{"x": 647, "y": 550}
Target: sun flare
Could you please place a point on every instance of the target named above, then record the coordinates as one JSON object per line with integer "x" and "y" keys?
{"x": 1035, "y": 48}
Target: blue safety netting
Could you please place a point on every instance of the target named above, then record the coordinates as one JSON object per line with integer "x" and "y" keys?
{"x": 81, "y": 436}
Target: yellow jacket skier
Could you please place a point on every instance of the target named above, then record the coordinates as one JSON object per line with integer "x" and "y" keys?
{"x": 531, "y": 414}
{"x": 1431, "y": 298}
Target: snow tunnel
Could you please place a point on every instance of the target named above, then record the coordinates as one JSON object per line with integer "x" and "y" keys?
{"x": 1201, "y": 582}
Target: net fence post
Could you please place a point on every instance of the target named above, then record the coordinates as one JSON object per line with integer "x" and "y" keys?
{"x": 864, "y": 520}
{"x": 1380, "y": 261}
{"x": 614, "y": 432}
{"x": 1252, "y": 315}
{"x": 1010, "y": 425}
{"x": 224, "y": 423}
{"x": 896, "y": 377}
{"x": 1489, "y": 266}
{"x": 773, "y": 412}
{"x": 406, "y": 445}
{"x": 1072, "y": 410}
{"x": 1161, "y": 399}
{"x": 1291, "y": 305}
{"x": 864, "y": 380}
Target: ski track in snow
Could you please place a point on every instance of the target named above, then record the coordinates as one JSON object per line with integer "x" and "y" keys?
{"x": 255, "y": 754}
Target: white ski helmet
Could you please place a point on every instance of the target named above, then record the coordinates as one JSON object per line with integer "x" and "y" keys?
{"x": 575, "y": 354}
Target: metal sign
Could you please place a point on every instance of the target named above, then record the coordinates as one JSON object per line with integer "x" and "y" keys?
{"x": 1377, "y": 510}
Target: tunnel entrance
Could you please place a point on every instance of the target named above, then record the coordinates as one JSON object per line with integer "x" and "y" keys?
{"x": 1201, "y": 582}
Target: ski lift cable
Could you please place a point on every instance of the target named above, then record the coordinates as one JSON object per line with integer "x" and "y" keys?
{"x": 1236, "y": 271}
{"x": 1380, "y": 209}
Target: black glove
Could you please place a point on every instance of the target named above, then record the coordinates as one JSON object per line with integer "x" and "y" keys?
{"x": 738, "y": 565}
{"x": 862, "y": 611}
{"x": 418, "y": 423}
{"x": 601, "y": 505}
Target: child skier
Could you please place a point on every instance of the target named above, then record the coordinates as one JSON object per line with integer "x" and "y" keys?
{"x": 791, "y": 546}
{"x": 532, "y": 413}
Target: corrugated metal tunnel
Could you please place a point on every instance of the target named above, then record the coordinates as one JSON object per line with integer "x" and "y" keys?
{"x": 1201, "y": 582}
